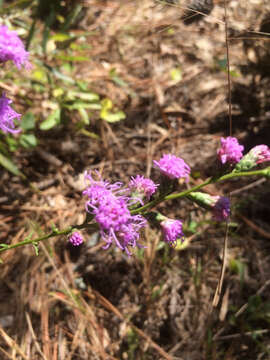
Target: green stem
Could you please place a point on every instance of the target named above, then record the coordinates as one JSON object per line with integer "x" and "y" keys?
{"x": 142, "y": 209}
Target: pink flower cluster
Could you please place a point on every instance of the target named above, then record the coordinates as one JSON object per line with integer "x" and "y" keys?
{"x": 173, "y": 167}
{"x": 109, "y": 205}
{"x": 12, "y": 48}
{"x": 7, "y": 116}
{"x": 141, "y": 187}
{"x": 172, "y": 231}
{"x": 76, "y": 238}
{"x": 231, "y": 151}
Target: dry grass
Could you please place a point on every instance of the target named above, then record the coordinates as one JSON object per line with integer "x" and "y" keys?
{"x": 88, "y": 303}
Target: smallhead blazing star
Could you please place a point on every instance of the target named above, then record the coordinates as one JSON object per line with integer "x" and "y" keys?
{"x": 219, "y": 205}
{"x": 12, "y": 48}
{"x": 257, "y": 155}
{"x": 230, "y": 151}
{"x": 75, "y": 238}
{"x": 173, "y": 167}
{"x": 7, "y": 116}
{"x": 221, "y": 208}
{"x": 109, "y": 205}
{"x": 141, "y": 187}
{"x": 172, "y": 231}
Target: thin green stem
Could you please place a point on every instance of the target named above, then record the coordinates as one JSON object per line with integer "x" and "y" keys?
{"x": 140, "y": 210}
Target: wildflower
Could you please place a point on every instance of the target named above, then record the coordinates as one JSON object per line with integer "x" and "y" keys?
{"x": 76, "y": 238}
{"x": 7, "y": 115}
{"x": 221, "y": 208}
{"x": 219, "y": 205}
{"x": 257, "y": 155}
{"x": 141, "y": 187}
{"x": 173, "y": 167}
{"x": 109, "y": 205}
{"x": 172, "y": 231}
{"x": 12, "y": 48}
{"x": 230, "y": 151}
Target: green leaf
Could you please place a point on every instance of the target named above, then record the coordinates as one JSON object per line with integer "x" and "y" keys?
{"x": 176, "y": 74}
{"x": 82, "y": 85}
{"x": 3, "y": 246}
{"x": 12, "y": 143}
{"x": 84, "y": 116}
{"x": 89, "y": 134}
{"x": 58, "y": 92}
{"x": 40, "y": 75}
{"x": 60, "y": 37}
{"x": 192, "y": 226}
{"x": 28, "y": 140}
{"x": 82, "y": 105}
{"x": 112, "y": 117}
{"x": 10, "y": 166}
{"x": 28, "y": 121}
{"x": 87, "y": 96}
{"x": 109, "y": 116}
{"x": 116, "y": 78}
{"x": 72, "y": 58}
{"x": 52, "y": 120}
{"x": 35, "y": 244}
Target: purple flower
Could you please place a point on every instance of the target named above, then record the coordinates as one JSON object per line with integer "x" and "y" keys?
{"x": 12, "y": 48}
{"x": 172, "y": 231}
{"x": 109, "y": 205}
{"x": 260, "y": 153}
{"x": 257, "y": 155}
{"x": 221, "y": 208}
{"x": 173, "y": 167}
{"x": 230, "y": 151}
{"x": 76, "y": 238}
{"x": 141, "y": 187}
{"x": 126, "y": 235}
{"x": 7, "y": 115}
{"x": 219, "y": 205}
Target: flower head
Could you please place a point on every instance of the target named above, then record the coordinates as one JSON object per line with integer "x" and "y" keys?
{"x": 257, "y": 155}
{"x": 230, "y": 151}
{"x": 7, "y": 115}
{"x": 75, "y": 238}
{"x": 172, "y": 231}
{"x": 141, "y": 187}
{"x": 173, "y": 167}
{"x": 219, "y": 205}
{"x": 109, "y": 205}
{"x": 12, "y": 48}
{"x": 261, "y": 153}
{"x": 221, "y": 208}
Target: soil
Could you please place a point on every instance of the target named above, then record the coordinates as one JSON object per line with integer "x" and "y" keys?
{"x": 89, "y": 303}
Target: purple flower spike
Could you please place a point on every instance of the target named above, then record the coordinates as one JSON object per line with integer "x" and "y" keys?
{"x": 12, "y": 48}
{"x": 230, "y": 151}
{"x": 221, "y": 208}
{"x": 173, "y": 167}
{"x": 7, "y": 115}
{"x": 141, "y": 187}
{"x": 108, "y": 204}
{"x": 76, "y": 239}
{"x": 172, "y": 231}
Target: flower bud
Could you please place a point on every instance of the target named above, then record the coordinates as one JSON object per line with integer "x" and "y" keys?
{"x": 219, "y": 205}
{"x": 76, "y": 238}
{"x": 256, "y": 155}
